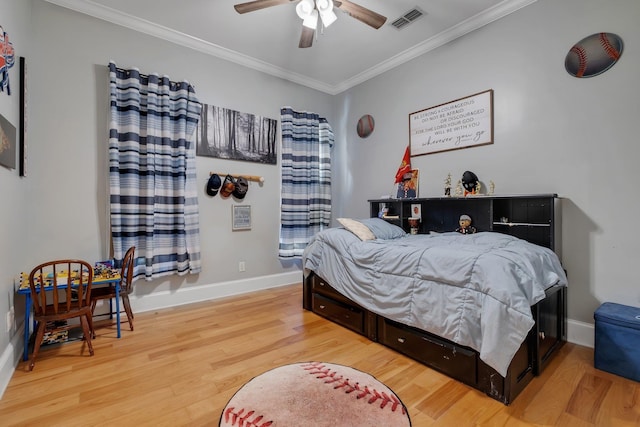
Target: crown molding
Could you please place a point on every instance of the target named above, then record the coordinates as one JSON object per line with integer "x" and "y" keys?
{"x": 117, "y": 17}
{"x": 486, "y": 17}
{"x": 108, "y": 14}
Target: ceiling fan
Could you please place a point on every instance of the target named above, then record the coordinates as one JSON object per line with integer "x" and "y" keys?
{"x": 310, "y": 10}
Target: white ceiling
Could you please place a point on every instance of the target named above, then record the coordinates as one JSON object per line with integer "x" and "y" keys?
{"x": 343, "y": 55}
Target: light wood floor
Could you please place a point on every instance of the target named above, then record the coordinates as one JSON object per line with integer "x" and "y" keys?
{"x": 180, "y": 367}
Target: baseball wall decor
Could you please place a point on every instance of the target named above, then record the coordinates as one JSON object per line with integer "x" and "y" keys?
{"x": 365, "y": 126}
{"x": 593, "y": 55}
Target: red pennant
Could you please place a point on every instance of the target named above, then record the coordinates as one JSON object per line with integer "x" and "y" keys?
{"x": 405, "y": 166}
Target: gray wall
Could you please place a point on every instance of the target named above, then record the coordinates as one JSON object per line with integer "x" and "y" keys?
{"x": 67, "y": 158}
{"x": 69, "y": 146}
{"x": 553, "y": 133}
{"x": 14, "y": 197}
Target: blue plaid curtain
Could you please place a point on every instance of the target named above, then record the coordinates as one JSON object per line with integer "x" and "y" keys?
{"x": 152, "y": 176}
{"x": 306, "y": 179}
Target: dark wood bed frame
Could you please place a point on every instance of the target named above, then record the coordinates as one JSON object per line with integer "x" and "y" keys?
{"x": 459, "y": 362}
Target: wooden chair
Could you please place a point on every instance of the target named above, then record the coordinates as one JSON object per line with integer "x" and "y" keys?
{"x": 126, "y": 287}
{"x": 61, "y": 290}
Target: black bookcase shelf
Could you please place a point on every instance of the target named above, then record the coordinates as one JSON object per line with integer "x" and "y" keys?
{"x": 535, "y": 218}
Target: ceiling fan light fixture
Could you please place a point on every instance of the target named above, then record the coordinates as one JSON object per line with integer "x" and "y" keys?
{"x": 311, "y": 21}
{"x": 328, "y": 18}
{"x": 305, "y": 8}
{"x": 324, "y": 6}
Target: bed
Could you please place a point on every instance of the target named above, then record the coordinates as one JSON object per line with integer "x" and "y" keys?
{"x": 487, "y": 309}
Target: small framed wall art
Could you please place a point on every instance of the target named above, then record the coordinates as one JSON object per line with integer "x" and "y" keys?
{"x": 241, "y": 217}
{"x": 416, "y": 211}
{"x": 408, "y": 187}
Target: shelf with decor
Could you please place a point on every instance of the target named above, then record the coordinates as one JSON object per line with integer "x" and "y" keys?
{"x": 395, "y": 211}
{"x": 531, "y": 217}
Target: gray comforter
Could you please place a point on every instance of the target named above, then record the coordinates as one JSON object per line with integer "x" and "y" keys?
{"x": 475, "y": 290}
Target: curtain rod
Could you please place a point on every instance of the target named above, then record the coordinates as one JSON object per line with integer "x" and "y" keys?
{"x": 146, "y": 76}
{"x": 124, "y": 70}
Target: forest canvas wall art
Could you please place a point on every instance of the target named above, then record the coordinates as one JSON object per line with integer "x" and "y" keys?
{"x": 230, "y": 134}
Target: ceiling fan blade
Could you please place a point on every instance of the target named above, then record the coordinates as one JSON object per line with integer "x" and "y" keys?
{"x": 251, "y": 6}
{"x": 306, "y": 38}
{"x": 362, "y": 14}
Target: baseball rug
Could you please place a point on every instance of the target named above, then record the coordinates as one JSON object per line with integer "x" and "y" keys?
{"x": 314, "y": 394}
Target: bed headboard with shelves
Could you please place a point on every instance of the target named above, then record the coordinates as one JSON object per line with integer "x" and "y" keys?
{"x": 535, "y": 218}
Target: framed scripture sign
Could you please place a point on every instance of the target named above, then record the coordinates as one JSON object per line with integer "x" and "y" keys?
{"x": 241, "y": 217}
{"x": 463, "y": 123}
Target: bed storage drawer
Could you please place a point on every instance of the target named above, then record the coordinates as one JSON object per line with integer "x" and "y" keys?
{"x": 320, "y": 286}
{"x": 343, "y": 314}
{"x": 321, "y": 298}
{"x": 445, "y": 356}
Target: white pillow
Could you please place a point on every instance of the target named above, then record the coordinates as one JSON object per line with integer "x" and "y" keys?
{"x": 357, "y": 228}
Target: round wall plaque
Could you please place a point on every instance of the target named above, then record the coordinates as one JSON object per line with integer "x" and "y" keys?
{"x": 593, "y": 55}
{"x": 365, "y": 126}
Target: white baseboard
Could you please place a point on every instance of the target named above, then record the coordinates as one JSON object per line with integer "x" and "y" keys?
{"x": 166, "y": 299}
{"x": 577, "y": 332}
{"x": 580, "y": 333}
{"x": 9, "y": 359}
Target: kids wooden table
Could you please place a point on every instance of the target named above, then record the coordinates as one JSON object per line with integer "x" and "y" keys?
{"x": 98, "y": 280}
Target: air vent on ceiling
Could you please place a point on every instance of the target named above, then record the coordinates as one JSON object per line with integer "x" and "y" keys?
{"x": 407, "y": 18}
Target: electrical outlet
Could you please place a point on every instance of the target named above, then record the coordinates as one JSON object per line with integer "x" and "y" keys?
{"x": 241, "y": 266}
{"x": 12, "y": 325}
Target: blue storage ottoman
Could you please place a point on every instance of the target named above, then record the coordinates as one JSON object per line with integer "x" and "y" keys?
{"x": 617, "y": 343}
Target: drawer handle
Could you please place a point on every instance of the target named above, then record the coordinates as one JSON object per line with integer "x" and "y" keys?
{"x": 322, "y": 307}
{"x": 401, "y": 340}
{"x": 321, "y": 283}
{"x": 541, "y": 335}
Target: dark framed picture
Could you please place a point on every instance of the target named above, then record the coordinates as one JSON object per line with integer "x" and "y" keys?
{"x": 22, "y": 165}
